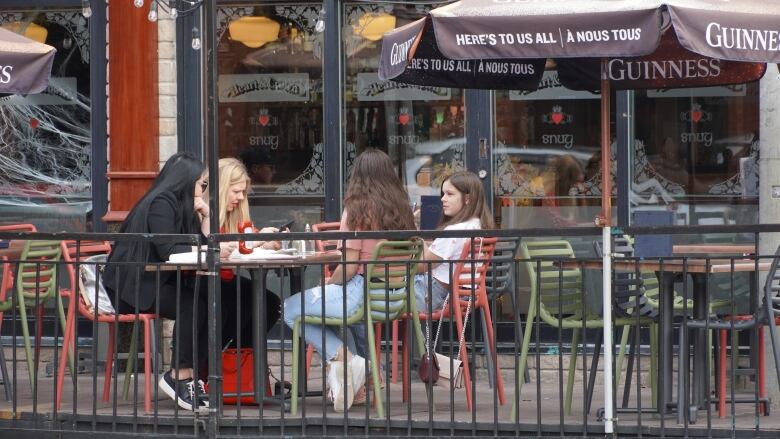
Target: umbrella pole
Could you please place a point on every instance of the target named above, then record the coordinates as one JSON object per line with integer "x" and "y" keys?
{"x": 606, "y": 234}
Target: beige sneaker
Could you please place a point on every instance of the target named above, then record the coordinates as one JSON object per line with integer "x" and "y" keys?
{"x": 341, "y": 395}
{"x": 357, "y": 367}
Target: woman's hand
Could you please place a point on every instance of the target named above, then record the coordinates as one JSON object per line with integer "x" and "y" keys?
{"x": 202, "y": 207}
{"x": 226, "y": 249}
{"x": 270, "y": 245}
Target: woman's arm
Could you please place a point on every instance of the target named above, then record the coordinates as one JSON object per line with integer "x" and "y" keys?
{"x": 162, "y": 220}
{"x": 428, "y": 255}
{"x": 344, "y": 272}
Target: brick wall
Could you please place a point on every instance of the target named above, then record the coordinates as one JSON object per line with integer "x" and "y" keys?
{"x": 166, "y": 47}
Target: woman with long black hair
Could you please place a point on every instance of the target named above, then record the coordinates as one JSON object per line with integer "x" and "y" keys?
{"x": 173, "y": 205}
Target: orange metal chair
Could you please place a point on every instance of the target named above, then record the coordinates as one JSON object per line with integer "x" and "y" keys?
{"x": 322, "y": 245}
{"x": 722, "y": 362}
{"x": 468, "y": 279}
{"x": 72, "y": 250}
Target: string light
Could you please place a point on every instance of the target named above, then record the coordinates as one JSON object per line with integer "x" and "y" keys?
{"x": 174, "y": 8}
{"x": 195, "y": 38}
{"x": 319, "y": 27}
{"x": 86, "y": 9}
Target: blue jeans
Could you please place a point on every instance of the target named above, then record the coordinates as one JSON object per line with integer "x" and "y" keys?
{"x": 438, "y": 293}
{"x": 333, "y": 297}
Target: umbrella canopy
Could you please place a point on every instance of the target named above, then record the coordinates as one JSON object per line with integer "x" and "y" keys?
{"x": 499, "y": 43}
{"x": 25, "y": 65}
{"x": 738, "y": 30}
{"x": 505, "y": 31}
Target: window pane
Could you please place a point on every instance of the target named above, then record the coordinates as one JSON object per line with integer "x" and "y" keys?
{"x": 270, "y": 106}
{"x": 697, "y": 153}
{"x": 422, "y": 129}
{"x": 547, "y": 157}
{"x": 45, "y": 138}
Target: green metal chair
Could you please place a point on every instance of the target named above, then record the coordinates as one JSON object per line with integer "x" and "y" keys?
{"x": 389, "y": 280}
{"x": 557, "y": 293}
{"x": 35, "y": 283}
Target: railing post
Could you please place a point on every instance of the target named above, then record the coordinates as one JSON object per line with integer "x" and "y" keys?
{"x": 606, "y": 237}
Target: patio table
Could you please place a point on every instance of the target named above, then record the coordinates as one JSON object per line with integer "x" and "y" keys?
{"x": 670, "y": 271}
{"x": 257, "y": 268}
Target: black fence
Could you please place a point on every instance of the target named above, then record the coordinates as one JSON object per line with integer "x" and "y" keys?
{"x": 519, "y": 310}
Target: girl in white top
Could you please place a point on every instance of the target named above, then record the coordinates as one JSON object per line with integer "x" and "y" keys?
{"x": 465, "y": 207}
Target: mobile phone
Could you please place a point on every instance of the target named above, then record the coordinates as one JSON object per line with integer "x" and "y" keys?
{"x": 286, "y": 225}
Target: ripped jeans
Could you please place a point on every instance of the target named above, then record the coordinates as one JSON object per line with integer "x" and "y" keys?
{"x": 333, "y": 297}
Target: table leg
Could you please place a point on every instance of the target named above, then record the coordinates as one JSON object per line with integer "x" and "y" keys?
{"x": 666, "y": 327}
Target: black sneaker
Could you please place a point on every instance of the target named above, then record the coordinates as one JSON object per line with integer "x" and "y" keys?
{"x": 183, "y": 391}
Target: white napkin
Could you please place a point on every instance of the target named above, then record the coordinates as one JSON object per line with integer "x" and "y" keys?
{"x": 186, "y": 258}
{"x": 262, "y": 254}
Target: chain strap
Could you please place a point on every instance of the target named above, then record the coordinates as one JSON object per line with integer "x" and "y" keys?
{"x": 428, "y": 347}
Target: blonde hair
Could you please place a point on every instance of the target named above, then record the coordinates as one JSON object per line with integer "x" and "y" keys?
{"x": 232, "y": 171}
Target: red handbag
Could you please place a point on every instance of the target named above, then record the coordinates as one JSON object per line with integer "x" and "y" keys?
{"x": 235, "y": 362}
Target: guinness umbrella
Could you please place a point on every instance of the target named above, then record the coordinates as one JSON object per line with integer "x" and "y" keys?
{"x": 503, "y": 32}
{"x": 25, "y": 65}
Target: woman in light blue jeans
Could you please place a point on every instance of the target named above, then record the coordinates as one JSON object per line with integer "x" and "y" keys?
{"x": 333, "y": 297}
{"x": 379, "y": 202}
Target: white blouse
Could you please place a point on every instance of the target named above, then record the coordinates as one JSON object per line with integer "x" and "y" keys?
{"x": 451, "y": 248}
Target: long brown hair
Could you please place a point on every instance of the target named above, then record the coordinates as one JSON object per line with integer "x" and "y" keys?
{"x": 475, "y": 203}
{"x": 375, "y": 198}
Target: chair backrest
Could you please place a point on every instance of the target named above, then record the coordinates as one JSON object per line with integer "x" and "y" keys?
{"x": 322, "y": 245}
{"x": 36, "y": 274}
{"x": 74, "y": 251}
{"x": 635, "y": 288}
{"x": 772, "y": 284}
{"x": 18, "y": 228}
{"x": 390, "y": 277}
{"x": 470, "y": 274}
{"x": 500, "y": 275}
{"x": 558, "y": 290}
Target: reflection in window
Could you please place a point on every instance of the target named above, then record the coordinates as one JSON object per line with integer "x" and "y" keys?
{"x": 547, "y": 156}
{"x": 45, "y": 138}
{"x": 270, "y": 96}
{"x": 422, "y": 129}
{"x": 697, "y": 153}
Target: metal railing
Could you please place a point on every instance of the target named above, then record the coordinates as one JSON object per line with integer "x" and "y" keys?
{"x": 566, "y": 292}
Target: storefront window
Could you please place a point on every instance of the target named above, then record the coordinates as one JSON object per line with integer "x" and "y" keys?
{"x": 45, "y": 138}
{"x": 697, "y": 154}
{"x": 547, "y": 158}
{"x": 270, "y": 106}
{"x": 421, "y": 128}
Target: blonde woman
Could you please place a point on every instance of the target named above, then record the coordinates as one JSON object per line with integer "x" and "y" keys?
{"x": 234, "y": 184}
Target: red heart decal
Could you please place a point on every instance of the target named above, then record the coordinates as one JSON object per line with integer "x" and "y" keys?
{"x": 403, "y": 119}
{"x": 696, "y": 116}
{"x": 264, "y": 119}
{"x": 557, "y": 118}
{"x": 34, "y": 123}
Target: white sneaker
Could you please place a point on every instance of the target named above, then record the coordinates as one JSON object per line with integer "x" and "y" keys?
{"x": 342, "y": 396}
{"x": 357, "y": 366}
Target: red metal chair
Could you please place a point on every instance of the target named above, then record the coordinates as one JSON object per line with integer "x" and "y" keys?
{"x": 722, "y": 362}
{"x": 468, "y": 279}
{"x": 72, "y": 250}
{"x": 322, "y": 245}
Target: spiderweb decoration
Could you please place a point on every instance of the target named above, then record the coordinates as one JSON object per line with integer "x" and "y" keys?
{"x": 45, "y": 150}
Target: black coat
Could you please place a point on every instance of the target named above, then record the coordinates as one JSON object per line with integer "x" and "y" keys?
{"x": 163, "y": 218}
